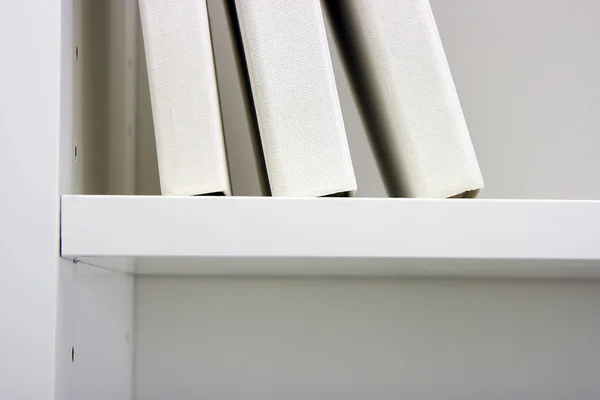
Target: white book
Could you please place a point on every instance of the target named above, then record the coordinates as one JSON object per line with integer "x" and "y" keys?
{"x": 399, "y": 70}
{"x": 183, "y": 93}
{"x": 295, "y": 97}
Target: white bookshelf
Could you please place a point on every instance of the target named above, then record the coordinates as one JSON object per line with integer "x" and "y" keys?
{"x": 109, "y": 295}
{"x": 356, "y": 237}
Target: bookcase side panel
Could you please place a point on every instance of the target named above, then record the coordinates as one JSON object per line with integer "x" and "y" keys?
{"x": 94, "y": 351}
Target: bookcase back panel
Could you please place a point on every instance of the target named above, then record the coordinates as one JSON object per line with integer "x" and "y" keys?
{"x": 526, "y": 74}
{"x": 274, "y": 338}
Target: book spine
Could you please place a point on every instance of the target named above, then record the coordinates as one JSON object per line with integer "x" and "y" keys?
{"x": 295, "y": 97}
{"x": 399, "y": 71}
{"x": 183, "y": 91}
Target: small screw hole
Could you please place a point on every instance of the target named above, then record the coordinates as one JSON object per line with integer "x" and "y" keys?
{"x": 76, "y": 52}
{"x": 72, "y": 354}
{"x": 75, "y": 153}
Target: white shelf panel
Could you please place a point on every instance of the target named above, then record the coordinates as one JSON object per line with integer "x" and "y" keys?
{"x": 334, "y": 236}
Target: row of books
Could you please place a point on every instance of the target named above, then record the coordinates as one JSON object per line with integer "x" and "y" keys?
{"x": 398, "y": 69}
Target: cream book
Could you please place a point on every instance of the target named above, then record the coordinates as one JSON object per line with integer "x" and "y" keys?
{"x": 394, "y": 54}
{"x": 295, "y": 97}
{"x": 185, "y": 103}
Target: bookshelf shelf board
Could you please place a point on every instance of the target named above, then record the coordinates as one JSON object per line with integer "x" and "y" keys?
{"x": 245, "y": 236}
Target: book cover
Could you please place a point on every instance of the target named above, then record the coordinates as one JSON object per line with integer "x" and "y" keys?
{"x": 402, "y": 81}
{"x": 185, "y": 103}
{"x": 295, "y": 98}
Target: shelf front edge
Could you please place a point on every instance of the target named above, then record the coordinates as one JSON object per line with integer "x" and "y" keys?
{"x": 393, "y": 230}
